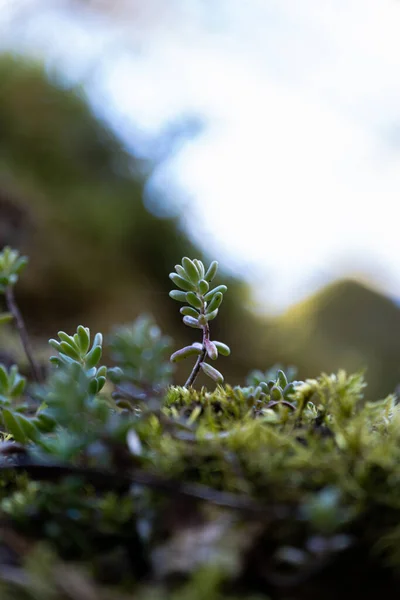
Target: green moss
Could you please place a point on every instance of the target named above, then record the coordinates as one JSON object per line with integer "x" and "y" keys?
{"x": 186, "y": 493}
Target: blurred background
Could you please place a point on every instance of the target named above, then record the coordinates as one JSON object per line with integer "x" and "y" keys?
{"x": 264, "y": 134}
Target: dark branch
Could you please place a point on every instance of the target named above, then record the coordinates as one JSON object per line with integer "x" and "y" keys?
{"x": 14, "y": 310}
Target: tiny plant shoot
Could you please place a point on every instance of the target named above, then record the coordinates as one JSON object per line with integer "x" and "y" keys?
{"x": 202, "y": 307}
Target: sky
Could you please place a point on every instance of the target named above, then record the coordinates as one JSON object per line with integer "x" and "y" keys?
{"x": 294, "y": 179}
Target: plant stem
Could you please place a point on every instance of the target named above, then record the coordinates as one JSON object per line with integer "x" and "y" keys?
{"x": 196, "y": 368}
{"x": 201, "y": 357}
{"x": 284, "y": 402}
{"x": 14, "y": 310}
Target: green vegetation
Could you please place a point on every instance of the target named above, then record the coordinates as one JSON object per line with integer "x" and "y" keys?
{"x": 114, "y": 482}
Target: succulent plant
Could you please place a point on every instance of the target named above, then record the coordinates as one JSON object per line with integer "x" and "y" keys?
{"x": 202, "y": 306}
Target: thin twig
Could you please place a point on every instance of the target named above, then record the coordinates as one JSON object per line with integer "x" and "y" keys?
{"x": 196, "y": 369}
{"x": 14, "y": 310}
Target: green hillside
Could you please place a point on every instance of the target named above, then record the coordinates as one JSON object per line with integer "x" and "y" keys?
{"x": 348, "y": 325}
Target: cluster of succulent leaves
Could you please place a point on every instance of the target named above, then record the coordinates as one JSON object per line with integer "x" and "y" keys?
{"x": 119, "y": 483}
{"x": 77, "y": 349}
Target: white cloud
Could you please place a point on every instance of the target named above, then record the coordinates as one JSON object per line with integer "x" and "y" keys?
{"x": 296, "y": 171}
{"x": 299, "y": 169}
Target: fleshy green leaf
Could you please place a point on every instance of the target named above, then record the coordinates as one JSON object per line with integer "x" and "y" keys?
{"x": 191, "y": 270}
{"x": 212, "y": 373}
{"x": 28, "y": 426}
{"x": 194, "y": 300}
{"x": 54, "y": 344}
{"x": 203, "y": 287}
{"x": 178, "y": 295}
{"x": 185, "y": 352}
{"x": 93, "y": 386}
{"x": 18, "y": 387}
{"x": 215, "y": 302}
{"x": 181, "y": 271}
{"x": 69, "y": 351}
{"x": 100, "y": 382}
{"x": 98, "y": 340}
{"x": 189, "y": 311}
{"x": 13, "y": 426}
{"x": 84, "y": 338}
{"x": 222, "y": 348}
{"x": 191, "y": 322}
{"x": 211, "y": 271}
{"x": 93, "y": 357}
{"x": 200, "y": 267}
{"x": 102, "y": 371}
{"x": 281, "y": 378}
{"x": 219, "y": 288}
{"x": 68, "y": 339}
{"x": 276, "y": 393}
{"x": 184, "y": 284}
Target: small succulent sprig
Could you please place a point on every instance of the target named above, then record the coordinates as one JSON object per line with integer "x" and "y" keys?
{"x": 272, "y": 375}
{"x": 273, "y": 387}
{"x": 11, "y": 266}
{"x": 76, "y": 349}
{"x": 203, "y": 306}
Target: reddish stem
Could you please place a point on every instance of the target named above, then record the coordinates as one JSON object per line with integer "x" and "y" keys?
{"x": 202, "y": 356}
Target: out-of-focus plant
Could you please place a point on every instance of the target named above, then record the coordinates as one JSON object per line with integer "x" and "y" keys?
{"x": 77, "y": 349}
{"x": 11, "y": 266}
{"x": 12, "y": 407}
{"x": 272, "y": 387}
{"x": 140, "y": 351}
{"x": 257, "y": 376}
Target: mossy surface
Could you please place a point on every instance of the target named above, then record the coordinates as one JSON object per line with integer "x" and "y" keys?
{"x": 195, "y": 494}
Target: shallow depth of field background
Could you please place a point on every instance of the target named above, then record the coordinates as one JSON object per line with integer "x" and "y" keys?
{"x": 264, "y": 134}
